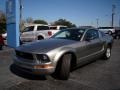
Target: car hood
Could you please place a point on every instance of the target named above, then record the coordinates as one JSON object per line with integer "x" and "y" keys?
{"x": 44, "y": 46}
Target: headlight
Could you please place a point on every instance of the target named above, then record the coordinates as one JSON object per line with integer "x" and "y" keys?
{"x": 42, "y": 58}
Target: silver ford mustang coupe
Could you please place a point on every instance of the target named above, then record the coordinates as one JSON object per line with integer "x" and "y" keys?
{"x": 64, "y": 51}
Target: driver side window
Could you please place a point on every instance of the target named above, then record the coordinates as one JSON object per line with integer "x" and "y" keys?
{"x": 91, "y": 34}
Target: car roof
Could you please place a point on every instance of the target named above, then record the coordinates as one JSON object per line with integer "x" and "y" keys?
{"x": 82, "y": 28}
{"x": 58, "y": 26}
{"x": 36, "y": 25}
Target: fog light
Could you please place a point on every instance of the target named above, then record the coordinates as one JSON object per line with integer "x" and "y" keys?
{"x": 43, "y": 66}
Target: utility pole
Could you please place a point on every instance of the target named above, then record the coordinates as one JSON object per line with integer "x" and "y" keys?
{"x": 97, "y": 21}
{"x": 119, "y": 21}
{"x": 113, "y": 14}
{"x": 21, "y": 7}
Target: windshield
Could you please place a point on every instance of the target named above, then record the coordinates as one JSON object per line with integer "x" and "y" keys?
{"x": 71, "y": 34}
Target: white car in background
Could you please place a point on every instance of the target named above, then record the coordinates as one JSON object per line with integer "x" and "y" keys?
{"x": 35, "y": 32}
{"x": 55, "y": 29}
{"x": 58, "y": 27}
{"x": 39, "y": 31}
{"x": 107, "y": 30}
{"x": 113, "y": 31}
{"x": 4, "y": 35}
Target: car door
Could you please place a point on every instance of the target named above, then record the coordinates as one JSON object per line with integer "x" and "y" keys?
{"x": 42, "y": 31}
{"x": 89, "y": 47}
{"x": 93, "y": 43}
{"x": 28, "y": 34}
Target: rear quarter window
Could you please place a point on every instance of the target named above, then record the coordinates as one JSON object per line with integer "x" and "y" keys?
{"x": 63, "y": 28}
{"x": 42, "y": 28}
{"x": 53, "y": 28}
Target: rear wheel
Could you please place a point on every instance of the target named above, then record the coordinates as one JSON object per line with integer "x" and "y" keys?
{"x": 117, "y": 37}
{"x": 64, "y": 67}
{"x": 107, "y": 53}
{"x": 40, "y": 38}
{"x": 109, "y": 32}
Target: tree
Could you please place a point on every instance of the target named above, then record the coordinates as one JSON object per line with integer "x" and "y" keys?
{"x": 22, "y": 25}
{"x": 2, "y": 22}
{"x": 64, "y": 22}
{"x": 40, "y": 22}
{"x": 29, "y": 20}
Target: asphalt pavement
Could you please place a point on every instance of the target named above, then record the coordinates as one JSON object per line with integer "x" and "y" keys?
{"x": 98, "y": 75}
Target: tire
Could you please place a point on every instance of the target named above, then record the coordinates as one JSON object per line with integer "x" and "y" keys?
{"x": 109, "y": 32}
{"x": 40, "y": 38}
{"x": 117, "y": 37}
{"x": 64, "y": 67}
{"x": 107, "y": 53}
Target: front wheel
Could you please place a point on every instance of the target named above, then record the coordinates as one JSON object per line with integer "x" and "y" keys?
{"x": 107, "y": 53}
{"x": 64, "y": 67}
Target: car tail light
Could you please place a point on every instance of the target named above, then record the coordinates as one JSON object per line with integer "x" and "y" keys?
{"x": 49, "y": 33}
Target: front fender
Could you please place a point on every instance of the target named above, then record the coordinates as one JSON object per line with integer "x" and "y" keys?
{"x": 62, "y": 52}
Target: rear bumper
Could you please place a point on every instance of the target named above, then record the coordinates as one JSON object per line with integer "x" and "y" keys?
{"x": 36, "y": 69}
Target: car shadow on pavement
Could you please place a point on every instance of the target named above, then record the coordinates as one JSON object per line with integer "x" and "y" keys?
{"x": 88, "y": 63}
{"x": 26, "y": 75}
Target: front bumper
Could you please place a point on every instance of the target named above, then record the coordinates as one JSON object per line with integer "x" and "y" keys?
{"x": 32, "y": 68}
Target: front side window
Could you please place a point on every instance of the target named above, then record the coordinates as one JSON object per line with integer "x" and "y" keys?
{"x": 42, "y": 28}
{"x": 28, "y": 29}
{"x": 92, "y": 34}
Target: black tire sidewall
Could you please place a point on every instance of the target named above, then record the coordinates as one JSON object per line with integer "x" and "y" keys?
{"x": 110, "y": 32}
{"x": 105, "y": 54}
{"x": 65, "y": 67}
{"x": 40, "y": 38}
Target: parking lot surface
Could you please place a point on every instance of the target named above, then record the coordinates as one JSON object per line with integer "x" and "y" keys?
{"x": 98, "y": 75}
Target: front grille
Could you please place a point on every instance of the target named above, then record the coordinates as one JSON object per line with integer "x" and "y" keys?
{"x": 24, "y": 55}
{"x": 22, "y": 68}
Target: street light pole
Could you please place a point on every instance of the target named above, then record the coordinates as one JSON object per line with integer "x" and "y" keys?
{"x": 97, "y": 21}
{"x": 113, "y": 14}
{"x": 119, "y": 21}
